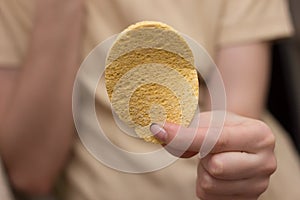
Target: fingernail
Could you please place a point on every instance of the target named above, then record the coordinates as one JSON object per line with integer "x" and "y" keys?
{"x": 159, "y": 132}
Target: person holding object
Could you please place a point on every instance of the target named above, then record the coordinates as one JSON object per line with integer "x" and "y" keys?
{"x": 42, "y": 46}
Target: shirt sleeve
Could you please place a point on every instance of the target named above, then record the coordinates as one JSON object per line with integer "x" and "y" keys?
{"x": 254, "y": 20}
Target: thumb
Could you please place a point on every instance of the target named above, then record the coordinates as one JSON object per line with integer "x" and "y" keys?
{"x": 179, "y": 137}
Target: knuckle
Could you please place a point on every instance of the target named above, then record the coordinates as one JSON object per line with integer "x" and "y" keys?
{"x": 261, "y": 126}
{"x": 223, "y": 141}
{"x": 201, "y": 194}
{"x": 270, "y": 166}
{"x": 262, "y": 186}
{"x": 206, "y": 183}
{"x": 270, "y": 141}
{"x": 216, "y": 168}
{"x": 268, "y": 138}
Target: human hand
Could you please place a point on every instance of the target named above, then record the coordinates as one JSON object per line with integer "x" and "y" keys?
{"x": 240, "y": 164}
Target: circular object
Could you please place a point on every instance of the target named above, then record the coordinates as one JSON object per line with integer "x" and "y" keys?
{"x": 150, "y": 78}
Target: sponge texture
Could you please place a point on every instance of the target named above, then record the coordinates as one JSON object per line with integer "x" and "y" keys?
{"x": 150, "y": 77}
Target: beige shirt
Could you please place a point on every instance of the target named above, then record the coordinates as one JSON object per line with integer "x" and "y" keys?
{"x": 212, "y": 23}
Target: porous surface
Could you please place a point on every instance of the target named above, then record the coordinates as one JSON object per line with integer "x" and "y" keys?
{"x": 150, "y": 78}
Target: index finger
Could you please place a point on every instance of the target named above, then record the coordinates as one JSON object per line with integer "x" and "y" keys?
{"x": 246, "y": 135}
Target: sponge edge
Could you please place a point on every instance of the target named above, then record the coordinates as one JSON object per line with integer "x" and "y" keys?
{"x": 150, "y": 77}
{"x": 149, "y": 34}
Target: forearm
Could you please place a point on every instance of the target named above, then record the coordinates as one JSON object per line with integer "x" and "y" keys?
{"x": 37, "y": 129}
{"x": 245, "y": 71}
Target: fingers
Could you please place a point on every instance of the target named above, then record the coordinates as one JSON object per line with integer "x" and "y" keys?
{"x": 209, "y": 187}
{"x": 238, "y": 134}
{"x": 225, "y": 165}
{"x": 234, "y": 175}
{"x": 238, "y": 165}
{"x": 178, "y": 137}
{"x": 180, "y": 153}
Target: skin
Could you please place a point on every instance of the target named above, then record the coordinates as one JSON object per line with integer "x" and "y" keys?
{"x": 35, "y": 103}
{"x": 245, "y": 71}
{"x": 36, "y": 116}
{"x": 240, "y": 164}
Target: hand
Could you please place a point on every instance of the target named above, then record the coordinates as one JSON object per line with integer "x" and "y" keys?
{"x": 240, "y": 164}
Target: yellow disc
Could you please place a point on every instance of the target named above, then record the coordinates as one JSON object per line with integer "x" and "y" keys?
{"x": 150, "y": 77}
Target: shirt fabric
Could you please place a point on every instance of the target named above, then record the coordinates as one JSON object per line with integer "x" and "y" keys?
{"x": 213, "y": 24}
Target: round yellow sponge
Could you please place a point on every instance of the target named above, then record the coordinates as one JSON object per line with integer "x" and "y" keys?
{"x": 150, "y": 77}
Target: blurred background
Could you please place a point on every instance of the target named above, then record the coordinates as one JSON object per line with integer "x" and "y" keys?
{"x": 284, "y": 96}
